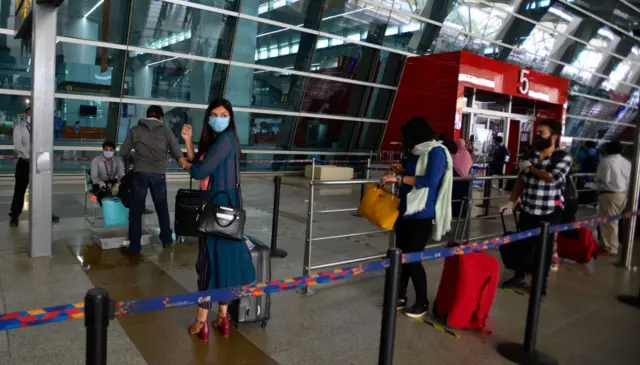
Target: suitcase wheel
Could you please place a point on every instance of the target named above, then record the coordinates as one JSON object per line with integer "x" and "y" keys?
{"x": 263, "y": 324}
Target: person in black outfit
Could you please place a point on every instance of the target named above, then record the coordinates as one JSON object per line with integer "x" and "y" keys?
{"x": 499, "y": 157}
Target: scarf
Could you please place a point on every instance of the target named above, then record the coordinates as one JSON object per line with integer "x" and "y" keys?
{"x": 462, "y": 160}
{"x": 417, "y": 198}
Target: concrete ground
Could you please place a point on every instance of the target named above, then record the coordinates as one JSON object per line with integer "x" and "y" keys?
{"x": 581, "y": 320}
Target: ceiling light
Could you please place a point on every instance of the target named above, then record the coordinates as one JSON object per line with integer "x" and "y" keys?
{"x": 158, "y": 62}
{"x": 94, "y": 8}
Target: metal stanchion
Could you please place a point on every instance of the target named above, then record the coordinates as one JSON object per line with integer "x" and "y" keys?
{"x": 306, "y": 266}
{"x": 527, "y": 353}
{"x": 275, "y": 251}
{"x": 98, "y": 311}
{"x": 313, "y": 169}
{"x": 392, "y": 233}
{"x": 486, "y": 202}
{"x": 389, "y": 312}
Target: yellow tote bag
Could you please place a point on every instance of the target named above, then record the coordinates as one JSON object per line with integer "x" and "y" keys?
{"x": 379, "y": 206}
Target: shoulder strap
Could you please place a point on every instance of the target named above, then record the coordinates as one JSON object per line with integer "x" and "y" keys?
{"x": 556, "y": 157}
{"x": 238, "y": 187}
{"x": 28, "y": 127}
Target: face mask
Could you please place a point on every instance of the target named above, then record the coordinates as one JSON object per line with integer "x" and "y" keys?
{"x": 108, "y": 154}
{"x": 218, "y": 124}
{"x": 541, "y": 143}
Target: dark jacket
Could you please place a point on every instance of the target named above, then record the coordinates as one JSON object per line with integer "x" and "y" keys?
{"x": 151, "y": 140}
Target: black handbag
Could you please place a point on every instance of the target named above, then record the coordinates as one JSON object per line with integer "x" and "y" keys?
{"x": 223, "y": 221}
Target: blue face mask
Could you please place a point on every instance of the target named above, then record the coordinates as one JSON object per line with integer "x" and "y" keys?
{"x": 108, "y": 154}
{"x": 218, "y": 124}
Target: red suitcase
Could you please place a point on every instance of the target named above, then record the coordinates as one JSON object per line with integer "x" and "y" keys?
{"x": 579, "y": 246}
{"x": 467, "y": 288}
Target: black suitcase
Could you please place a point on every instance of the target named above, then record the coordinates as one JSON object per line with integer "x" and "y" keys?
{"x": 188, "y": 201}
{"x": 255, "y": 309}
{"x": 513, "y": 254}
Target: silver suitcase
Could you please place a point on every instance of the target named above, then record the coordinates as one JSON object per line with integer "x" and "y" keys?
{"x": 255, "y": 309}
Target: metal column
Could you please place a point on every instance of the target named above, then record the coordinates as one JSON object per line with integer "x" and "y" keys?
{"x": 42, "y": 100}
{"x": 632, "y": 205}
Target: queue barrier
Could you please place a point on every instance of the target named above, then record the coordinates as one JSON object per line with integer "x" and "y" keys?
{"x": 98, "y": 309}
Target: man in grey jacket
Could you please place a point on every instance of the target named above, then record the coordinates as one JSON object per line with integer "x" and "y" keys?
{"x": 151, "y": 140}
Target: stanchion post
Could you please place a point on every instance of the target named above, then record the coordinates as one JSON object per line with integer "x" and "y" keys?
{"x": 306, "y": 265}
{"x": 389, "y": 312}
{"x": 632, "y": 198}
{"x": 486, "y": 201}
{"x": 98, "y": 311}
{"x": 527, "y": 353}
{"x": 392, "y": 233}
{"x": 313, "y": 169}
{"x": 275, "y": 251}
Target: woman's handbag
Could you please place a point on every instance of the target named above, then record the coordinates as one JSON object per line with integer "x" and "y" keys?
{"x": 223, "y": 221}
{"x": 379, "y": 206}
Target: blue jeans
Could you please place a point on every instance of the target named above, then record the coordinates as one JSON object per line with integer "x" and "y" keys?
{"x": 157, "y": 184}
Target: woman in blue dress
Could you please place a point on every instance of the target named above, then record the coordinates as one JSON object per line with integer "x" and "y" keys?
{"x": 221, "y": 263}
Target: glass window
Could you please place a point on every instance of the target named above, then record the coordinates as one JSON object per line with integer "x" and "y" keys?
{"x": 183, "y": 29}
{"x": 264, "y": 131}
{"x": 379, "y": 103}
{"x": 588, "y": 129}
{"x": 80, "y": 122}
{"x": 369, "y": 137}
{"x": 488, "y": 100}
{"x": 332, "y": 97}
{"x": 86, "y": 20}
{"x": 89, "y": 70}
{"x": 250, "y": 87}
{"x": 323, "y": 134}
{"x": 15, "y": 64}
{"x": 173, "y": 79}
{"x": 174, "y": 118}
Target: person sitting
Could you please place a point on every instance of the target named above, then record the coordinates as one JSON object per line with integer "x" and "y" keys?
{"x": 106, "y": 172}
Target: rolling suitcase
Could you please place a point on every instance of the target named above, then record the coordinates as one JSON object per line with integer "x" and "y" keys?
{"x": 581, "y": 249}
{"x": 255, "y": 309}
{"x": 188, "y": 201}
{"x": 514, "y": 255}
{"x": 466, "y": 291}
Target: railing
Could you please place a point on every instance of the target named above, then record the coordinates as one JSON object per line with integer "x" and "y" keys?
{"x": 98, "y": 309}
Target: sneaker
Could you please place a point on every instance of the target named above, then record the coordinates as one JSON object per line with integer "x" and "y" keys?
{"x": 417, "y": 311}
{"x": 129, "y": 252}
{"x": 55, "y": 219}
{"x": 13, "y": 222}
{"x": 401, "y": 303}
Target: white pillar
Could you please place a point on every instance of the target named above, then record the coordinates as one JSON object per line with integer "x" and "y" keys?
{"x": 41, "y": 154}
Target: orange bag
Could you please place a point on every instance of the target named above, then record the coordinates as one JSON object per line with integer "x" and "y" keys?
{"x": 379, "y": 206}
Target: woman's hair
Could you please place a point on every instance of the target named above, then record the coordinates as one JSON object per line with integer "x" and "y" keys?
{"x": 415, "y": 132}
{"x": 208, "y": 136}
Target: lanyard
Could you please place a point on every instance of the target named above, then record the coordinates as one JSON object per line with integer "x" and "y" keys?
{"x": 107, "y": 169}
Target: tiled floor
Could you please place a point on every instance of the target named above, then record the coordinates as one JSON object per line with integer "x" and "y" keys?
{"x": 581, "y": 322}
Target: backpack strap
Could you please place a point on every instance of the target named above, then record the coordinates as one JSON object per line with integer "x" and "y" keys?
{"x": 556, "y": 157}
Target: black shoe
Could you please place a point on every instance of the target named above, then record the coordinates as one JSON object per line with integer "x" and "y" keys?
{"x": 417, "y": 311}
{"x": 401, "y": 303}
{"x": 13, "y": 222}
{"x": 128, "y": 251}
{"x": 55, "y": 219}
{"x": 167, "y": 245}
{"x": 516, "y": 282}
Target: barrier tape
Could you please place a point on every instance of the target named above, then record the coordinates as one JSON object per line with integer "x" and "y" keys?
{"x": 39, "y": 316}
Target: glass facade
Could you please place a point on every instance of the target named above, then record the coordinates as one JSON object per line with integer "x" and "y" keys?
{"x": 308, "y": 77}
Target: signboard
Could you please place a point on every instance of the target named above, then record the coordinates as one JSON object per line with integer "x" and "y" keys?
{"x": 24, "y": 15}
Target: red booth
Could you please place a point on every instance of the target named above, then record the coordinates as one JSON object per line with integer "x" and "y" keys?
{"x": 463, "y": 94}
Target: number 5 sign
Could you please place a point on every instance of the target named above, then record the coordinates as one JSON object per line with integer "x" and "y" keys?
{"x": 523, "y": 82}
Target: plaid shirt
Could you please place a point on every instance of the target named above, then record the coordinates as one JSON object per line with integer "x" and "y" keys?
{"x": 540, "y": 197}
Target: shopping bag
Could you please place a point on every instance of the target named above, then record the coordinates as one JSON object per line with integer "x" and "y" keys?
{"x": 379, "y": 206}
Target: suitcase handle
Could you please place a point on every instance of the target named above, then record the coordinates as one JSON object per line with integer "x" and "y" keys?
{"x": 514, "y": 212}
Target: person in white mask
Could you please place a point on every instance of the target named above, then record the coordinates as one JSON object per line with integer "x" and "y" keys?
{"x": 106, "y": 172}
{"x": 22, "y": 146}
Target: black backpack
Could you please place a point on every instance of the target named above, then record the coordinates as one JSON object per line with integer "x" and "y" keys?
{"x": 500, "y": 156}
{"x": 570, "y": 191}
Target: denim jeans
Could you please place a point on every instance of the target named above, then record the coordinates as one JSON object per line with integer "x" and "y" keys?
{"x": 157, "y": 184}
